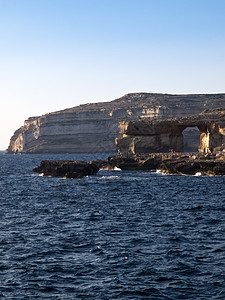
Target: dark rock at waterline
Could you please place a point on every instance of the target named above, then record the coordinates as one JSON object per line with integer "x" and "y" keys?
{"x": 66, "y": 168}
{"x": 145, "y": 162}
{"x": 170, "y": 163}
{"x": 209, "y": 164}
{"x": 174, "y": 163}
{"x": 101, "y": 164}
{"x": 151, "y": 161}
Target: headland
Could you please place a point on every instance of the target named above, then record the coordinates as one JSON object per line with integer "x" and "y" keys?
{"x": 92, "y": 128}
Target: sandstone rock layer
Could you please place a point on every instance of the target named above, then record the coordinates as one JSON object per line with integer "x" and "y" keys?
{"x": 93, "y": 127}
{"x": 149, "y": 136}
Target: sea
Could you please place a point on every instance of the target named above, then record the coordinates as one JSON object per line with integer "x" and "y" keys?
{"x": 114, "y": 235}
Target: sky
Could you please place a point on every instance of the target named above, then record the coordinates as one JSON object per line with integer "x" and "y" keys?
{"x": 56, "y": 54}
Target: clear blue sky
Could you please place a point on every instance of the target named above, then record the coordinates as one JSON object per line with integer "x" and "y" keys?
{"x": 56, "y": 54}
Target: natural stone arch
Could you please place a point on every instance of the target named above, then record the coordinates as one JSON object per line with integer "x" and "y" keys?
{"x": 155, "y": 136}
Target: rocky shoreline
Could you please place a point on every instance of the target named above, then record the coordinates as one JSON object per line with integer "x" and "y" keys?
{"x": 152, "y": 144}
{"x": 174, "y": 163}
{"x": 168, "y": 163}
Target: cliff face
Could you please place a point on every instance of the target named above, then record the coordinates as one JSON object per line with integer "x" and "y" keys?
{"x": 150, "y": 136}
{"x": 93, "y": 127}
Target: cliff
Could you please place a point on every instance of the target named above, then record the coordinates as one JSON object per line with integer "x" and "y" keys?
{"x": 164, "y": 135}
{"x": 93, "y": 127}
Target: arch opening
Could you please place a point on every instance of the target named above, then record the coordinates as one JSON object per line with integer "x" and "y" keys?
{"x": 191, "y": 139}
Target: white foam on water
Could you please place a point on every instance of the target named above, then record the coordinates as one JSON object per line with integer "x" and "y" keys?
{"x": 161, "y": 172}
{"x": 116, "y": 169}
{"x": 110, "y": 177}
{"x": 198, "y": 174}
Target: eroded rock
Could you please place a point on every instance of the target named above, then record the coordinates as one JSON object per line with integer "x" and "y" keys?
{"x": 169, "y": 163}
{"x": 172, "y": 163}
{"x": 149, "y": 136}
{"x": 66, "y": 168}
{"x": 92, "y": 128}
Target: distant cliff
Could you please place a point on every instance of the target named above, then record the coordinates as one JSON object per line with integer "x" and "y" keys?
{"x": 93, "y": 127}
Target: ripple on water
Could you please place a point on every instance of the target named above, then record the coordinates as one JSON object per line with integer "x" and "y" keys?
{"x": 116, "y": 235}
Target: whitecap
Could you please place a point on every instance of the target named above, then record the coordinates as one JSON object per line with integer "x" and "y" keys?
{"x": 161, "y": 172}
{"x": 198, "y": 174}
{"x": 116, "y": 169}
{"x": 110, "y": 177}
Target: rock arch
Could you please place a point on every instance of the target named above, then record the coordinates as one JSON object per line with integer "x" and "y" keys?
{"x": 147, "y": 136}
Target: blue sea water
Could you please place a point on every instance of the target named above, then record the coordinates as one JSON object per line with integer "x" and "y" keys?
{"x": 116, "y": 235}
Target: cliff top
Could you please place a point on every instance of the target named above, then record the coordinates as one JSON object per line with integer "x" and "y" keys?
{"x": 135, "y": 100}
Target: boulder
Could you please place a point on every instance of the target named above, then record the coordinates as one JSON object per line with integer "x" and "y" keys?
{"x": 66, "y": 168}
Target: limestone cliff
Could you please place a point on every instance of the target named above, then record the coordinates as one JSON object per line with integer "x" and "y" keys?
{"x": 152, "y": 136}
{"x": 93, "y": 127}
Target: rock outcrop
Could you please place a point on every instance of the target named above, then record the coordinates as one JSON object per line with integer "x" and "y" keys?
{"x": 169, "y": 163}
{"x": 93, "y": 127}
{"x": 149, "y": 136}
{"x": 197, "y": 166}
{"x": 66, "y": 168}
{"x": 172, "y": 163}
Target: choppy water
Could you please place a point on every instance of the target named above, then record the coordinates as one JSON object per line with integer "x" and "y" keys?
{"x": 116, "y": 235}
